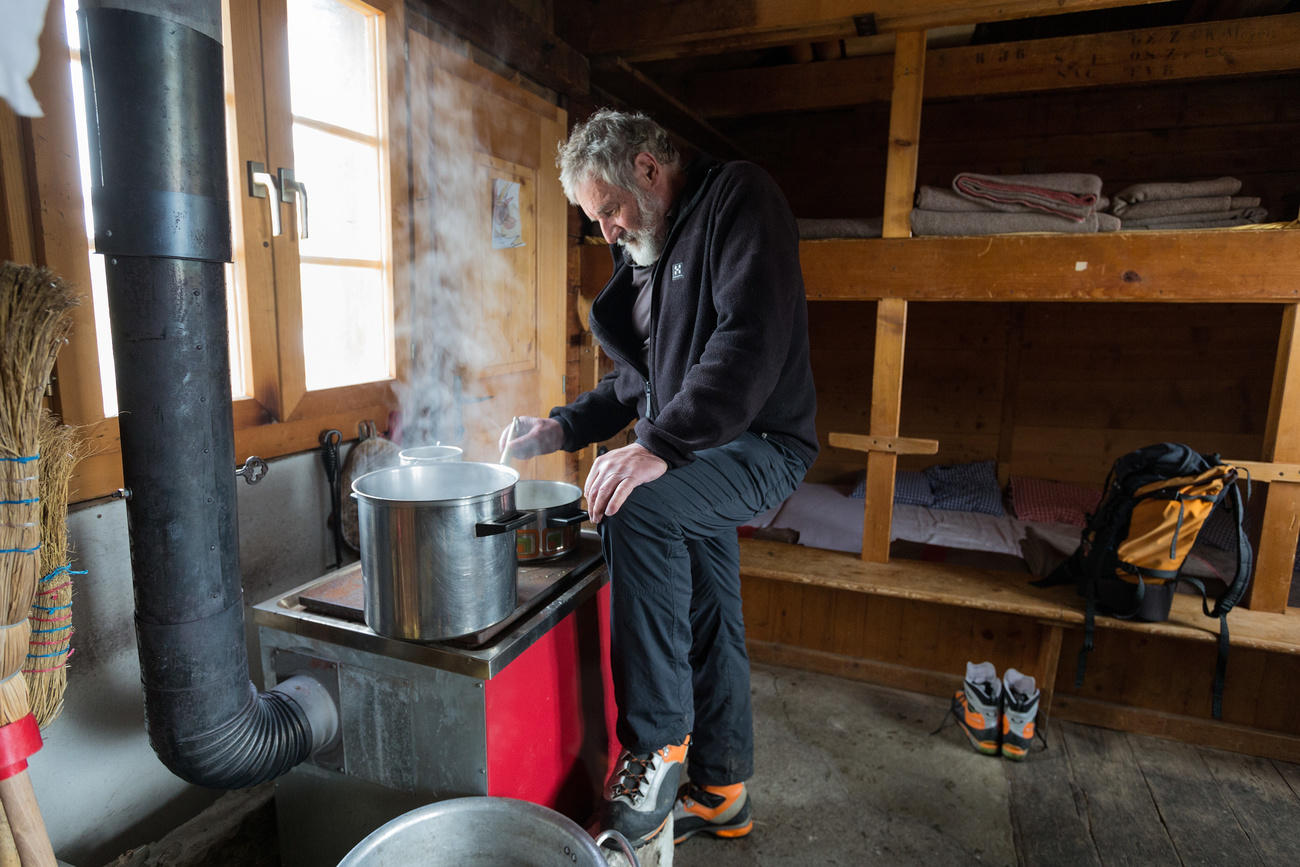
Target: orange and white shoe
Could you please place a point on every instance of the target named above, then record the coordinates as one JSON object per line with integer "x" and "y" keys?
{"x": 722, "y": 811}
{"x": 978, "y": 707}
{"x": 1019, "y": 711}
{"x": 641, "y": 791}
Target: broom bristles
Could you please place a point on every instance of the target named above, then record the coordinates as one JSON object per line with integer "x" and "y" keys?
{"x": 49, "y": 647}
{"x": 35, "y": 320}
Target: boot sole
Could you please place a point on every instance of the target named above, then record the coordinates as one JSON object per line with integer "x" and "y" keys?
{"x": 726, "y": 832}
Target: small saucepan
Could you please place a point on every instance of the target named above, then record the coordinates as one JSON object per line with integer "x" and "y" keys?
{"x": 557, "y": 519}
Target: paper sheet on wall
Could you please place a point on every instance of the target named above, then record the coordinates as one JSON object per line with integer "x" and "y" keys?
{"x": 19, "y": 52}
{"x": 507, "y": 228}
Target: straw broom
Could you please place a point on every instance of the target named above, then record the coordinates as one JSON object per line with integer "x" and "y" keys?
{"x": 49, "y": 649}
{"x": 35, "y": 320}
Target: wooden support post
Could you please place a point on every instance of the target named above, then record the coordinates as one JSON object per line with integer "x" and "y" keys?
{"x": 1275, "y": 559}
{"x": 904, "y": 132}
{"x": 886, "y": 401}
{"x": 891, "y": 313}
{"x": 1049, "y": 658}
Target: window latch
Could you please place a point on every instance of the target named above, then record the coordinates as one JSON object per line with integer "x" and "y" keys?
{"x": 262, "y": 186}
{"x": 295, "y": 193}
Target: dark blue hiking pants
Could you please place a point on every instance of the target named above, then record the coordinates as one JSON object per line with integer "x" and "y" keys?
{"x": 677, "y": 633}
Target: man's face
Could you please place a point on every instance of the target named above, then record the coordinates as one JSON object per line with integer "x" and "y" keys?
{"x": 633, "y": 219}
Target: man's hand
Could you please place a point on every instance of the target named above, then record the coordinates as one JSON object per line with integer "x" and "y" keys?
{"x": 614, "y": 475}
{"x": 533, "y": 437}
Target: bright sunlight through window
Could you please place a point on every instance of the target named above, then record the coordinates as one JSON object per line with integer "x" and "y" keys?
{"x": 340, "y": 156}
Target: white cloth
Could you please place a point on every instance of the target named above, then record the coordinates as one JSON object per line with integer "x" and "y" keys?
{"x": 19, "y": 52}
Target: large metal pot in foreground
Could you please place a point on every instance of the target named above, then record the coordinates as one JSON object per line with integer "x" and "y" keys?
{"x": 437, "y": 548}
{"x": 482, "y": 832}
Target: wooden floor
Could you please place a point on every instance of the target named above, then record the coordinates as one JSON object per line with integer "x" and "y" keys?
{"x": 1103, "y": 797}
{"x": 849, "y": 773}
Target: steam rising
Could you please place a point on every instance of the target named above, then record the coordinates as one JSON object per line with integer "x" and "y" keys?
{"x": 462, "y": 289}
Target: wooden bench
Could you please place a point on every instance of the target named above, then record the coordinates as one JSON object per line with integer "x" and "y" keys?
{"x": 1009, "y": 593}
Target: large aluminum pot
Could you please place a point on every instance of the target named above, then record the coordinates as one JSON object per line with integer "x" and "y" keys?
{"x": 437, "y": 548}
{"x": 557, "y": 519}
{"x": 482, "y": 832}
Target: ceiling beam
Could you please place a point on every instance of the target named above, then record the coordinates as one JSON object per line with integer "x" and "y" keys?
{"x": 511, "y": 36}
{"x": 1190, "y": 51}
{"x": 639, "y": 31}
{"x": 639, "y": 92}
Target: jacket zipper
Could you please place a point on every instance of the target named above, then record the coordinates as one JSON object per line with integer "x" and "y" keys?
{"x": 654, "y": 277}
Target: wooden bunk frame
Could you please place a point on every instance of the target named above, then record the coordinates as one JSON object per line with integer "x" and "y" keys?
{"x": 796, "y": 597}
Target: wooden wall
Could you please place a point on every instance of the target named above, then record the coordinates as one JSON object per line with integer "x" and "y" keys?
{"x": 832, "y": 163}
{"x": 1053, "y": 390}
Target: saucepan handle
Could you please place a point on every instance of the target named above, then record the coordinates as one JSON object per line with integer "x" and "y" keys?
{"x": 621, "y": 842}
{"x": 503, "y": 523}
{"x": 566, "y": 520}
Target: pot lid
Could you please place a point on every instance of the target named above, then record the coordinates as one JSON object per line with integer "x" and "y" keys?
{"x": 442, "y": 482}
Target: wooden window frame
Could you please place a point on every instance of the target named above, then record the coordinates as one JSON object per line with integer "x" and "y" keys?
{"x": 281, "y": 417}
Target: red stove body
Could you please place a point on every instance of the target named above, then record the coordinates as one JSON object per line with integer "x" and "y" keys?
{"x": 524, "y": 709}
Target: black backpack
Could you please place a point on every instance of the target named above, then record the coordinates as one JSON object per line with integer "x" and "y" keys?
{"x": 1133, "y": 548}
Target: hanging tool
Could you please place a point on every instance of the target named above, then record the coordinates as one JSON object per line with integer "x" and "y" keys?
{"x": 329, "y": 453}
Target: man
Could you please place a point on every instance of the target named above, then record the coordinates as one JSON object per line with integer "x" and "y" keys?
{"x": 706, "y": 323}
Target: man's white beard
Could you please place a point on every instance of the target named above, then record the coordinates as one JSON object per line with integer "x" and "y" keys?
{"x": 646, "y": 244}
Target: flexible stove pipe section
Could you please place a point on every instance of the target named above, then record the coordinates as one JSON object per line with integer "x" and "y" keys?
{"x": 158, "y": 158}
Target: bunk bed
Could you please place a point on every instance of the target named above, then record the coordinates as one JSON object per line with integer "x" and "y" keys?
{"x": 912, "y": 623}
{"x": 858, "y": 609}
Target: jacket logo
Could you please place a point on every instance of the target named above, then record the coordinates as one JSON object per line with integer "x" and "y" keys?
{"x": 679, "y": 271}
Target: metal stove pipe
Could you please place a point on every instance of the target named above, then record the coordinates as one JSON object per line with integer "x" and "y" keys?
{"x": 153, "y": 72}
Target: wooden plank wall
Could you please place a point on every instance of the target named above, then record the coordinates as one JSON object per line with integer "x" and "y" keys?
{"x": 832, "y": 163}
{"x": 1053, "y": 390}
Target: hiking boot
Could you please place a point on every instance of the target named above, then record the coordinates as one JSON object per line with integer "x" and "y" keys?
{"x": 1019, "y": 709}
{"x": 722, "y": 811}
{"x": 641, "y": 791}
{"x": 978, "y": 707}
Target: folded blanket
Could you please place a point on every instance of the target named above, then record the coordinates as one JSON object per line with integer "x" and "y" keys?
{"x": 992, "y": 223}
{"x": 1189, "y": 224}
{"x": 1066, "y": 194}
{"x": 1196, "y": 205}
{"x": 1108, "y": 223}
{"x": 1159, "y": 191}
{"x": 816, "y": 229}
{"x": 1237, "y": 217}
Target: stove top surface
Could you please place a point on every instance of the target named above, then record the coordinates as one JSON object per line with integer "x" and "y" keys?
{"x": 331, "y": 608}
{"x": 341, "y": 594}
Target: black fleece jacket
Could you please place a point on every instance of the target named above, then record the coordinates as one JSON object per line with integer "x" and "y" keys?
{"x": 728, "y": 328}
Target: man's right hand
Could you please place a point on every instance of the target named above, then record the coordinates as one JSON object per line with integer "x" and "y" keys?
{"x": 533, "y": 437}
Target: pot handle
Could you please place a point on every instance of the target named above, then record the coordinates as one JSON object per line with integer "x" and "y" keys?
{"x": 503, "y": 523}
{"x": 566, "y": 520}
{"x": 621, "y": 842}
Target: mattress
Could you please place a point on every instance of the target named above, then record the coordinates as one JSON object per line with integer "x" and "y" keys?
{"x": 826, "y": 516}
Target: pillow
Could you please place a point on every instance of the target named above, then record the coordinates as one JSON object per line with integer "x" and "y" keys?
{"x": 1051, "y": 502}
{"x": 971, "y": 487}
{"x": 911, "y": 488}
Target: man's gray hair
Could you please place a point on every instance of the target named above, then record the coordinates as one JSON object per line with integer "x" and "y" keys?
{"x": 605, "y": 146}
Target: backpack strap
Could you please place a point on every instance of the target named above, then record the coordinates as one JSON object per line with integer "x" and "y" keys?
{"x": 1221, "y": 662}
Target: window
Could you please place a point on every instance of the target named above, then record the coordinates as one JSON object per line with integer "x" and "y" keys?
{"x": 319, "y": 123}
{"x": 309, "y": 85}
{"x": 98, "y": 281}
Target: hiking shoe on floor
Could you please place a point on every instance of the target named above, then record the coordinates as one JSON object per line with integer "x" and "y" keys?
{"x": 978, "y": 707}
{"x": 1019, "y": 709}
{"x": 722, "y": 811}
{"x": 641, "y": 791}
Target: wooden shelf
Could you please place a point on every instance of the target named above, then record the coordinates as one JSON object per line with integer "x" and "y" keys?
{"x": 1005, "y": 592}
{"x": 1257, "y": 265}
